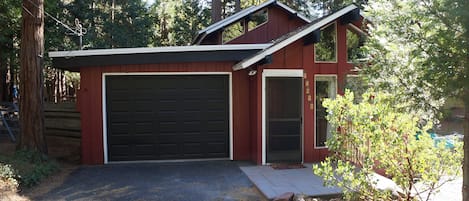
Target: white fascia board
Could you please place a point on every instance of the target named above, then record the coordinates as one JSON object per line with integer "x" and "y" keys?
{"x": 293, "y": 12}
{"x": 274, "y": 48}
{"x": 193, "y": 48}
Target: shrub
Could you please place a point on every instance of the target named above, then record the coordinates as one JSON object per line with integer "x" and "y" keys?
{"x": 29, "y": 167}
{"x": 8, "y": 177}
{"x": 376, "y": 135}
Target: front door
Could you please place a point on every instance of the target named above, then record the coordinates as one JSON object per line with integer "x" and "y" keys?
{"x": 283, "y": 118}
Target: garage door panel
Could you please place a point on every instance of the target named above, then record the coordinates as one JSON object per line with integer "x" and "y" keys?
{"x": 121, "y": 151}
{"x": 216, "y": 148}
{"x": 167, "y": 117}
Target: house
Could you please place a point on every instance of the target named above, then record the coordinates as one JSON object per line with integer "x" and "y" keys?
{"x": 250, "y": 88}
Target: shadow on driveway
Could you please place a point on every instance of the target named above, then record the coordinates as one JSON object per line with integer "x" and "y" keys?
{"x": 198, "y": 181}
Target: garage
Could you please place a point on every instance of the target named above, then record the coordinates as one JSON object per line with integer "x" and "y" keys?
{"x": 166, "y": 117}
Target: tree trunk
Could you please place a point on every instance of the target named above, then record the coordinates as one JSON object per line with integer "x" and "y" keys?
{"x": 31, "y": 76}
{"x": 216, "y": 10}
{"x": 237, "y": 5}
{"x": 465, "y": 186}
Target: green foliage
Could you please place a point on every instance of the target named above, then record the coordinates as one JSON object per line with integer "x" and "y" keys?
{"x": 375, "y": 134}
{"x": 190, "y": 19}
{"x": 325, "y": 50}
{"x": 8, "y": 177}
{"x": 177, "y": 22}
{"x": 109, "y": 24}
{"x": 28, "y": 167}
{"x": 418, "y": 50}
{"x": 323, "y": 7}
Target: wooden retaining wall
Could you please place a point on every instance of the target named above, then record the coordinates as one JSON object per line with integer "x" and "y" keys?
{"x": 62, "y": 131}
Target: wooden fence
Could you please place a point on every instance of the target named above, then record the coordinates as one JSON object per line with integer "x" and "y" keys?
{"x": 62, "y": 131}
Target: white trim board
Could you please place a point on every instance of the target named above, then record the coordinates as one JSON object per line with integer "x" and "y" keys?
{"x": 278, "y": 73}
{"x": 230, "y": 100}
{"x": 322, "y": 77}
{"x": 146, "y": 50}
{"x": 277, "y": 46}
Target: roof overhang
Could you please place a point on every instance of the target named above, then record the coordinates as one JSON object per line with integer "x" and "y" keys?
{"x": 303, "y": 31}
{"x": 73, "y": 60}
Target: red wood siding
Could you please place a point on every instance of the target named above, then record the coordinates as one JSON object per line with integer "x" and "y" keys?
{"x": 90, "y": 105}
{"x": 241, "y": 116}
{"x": 298, "y": 56}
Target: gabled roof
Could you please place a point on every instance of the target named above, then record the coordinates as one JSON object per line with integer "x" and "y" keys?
{"x": 73, "y": 60}
{"x": 293, "y": 36}
{"x": 240, "y": 15}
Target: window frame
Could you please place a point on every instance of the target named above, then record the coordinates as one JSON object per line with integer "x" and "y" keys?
{"x": 327, "y": 78}
{"x": 243, "y": 21}
{"x": 336, "y": 44}
{"x": 259, "y": 25}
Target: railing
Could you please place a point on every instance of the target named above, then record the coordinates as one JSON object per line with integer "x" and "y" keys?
{"x": 354, "y": 155}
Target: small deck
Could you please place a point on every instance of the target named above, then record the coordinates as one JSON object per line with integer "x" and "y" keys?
{"x": 273, "y": 182}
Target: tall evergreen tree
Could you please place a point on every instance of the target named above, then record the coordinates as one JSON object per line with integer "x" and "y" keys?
{"x": 111, "y": 24}
{"x": 177, "y": 22}
{"x": 191, "y": 18}
{"x": 10, "y": 19}
{"x": 31, "y": 76}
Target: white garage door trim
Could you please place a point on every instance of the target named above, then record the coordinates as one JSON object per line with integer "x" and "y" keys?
{"x": 104, "y": 112}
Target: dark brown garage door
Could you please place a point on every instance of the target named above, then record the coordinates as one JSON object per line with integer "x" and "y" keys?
{"x": 162, "y": 117}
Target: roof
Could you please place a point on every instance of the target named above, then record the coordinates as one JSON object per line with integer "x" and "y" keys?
{"x": 73, "y": 60}
{"x": 240, "y": 15}
{"x": 294, "y": 36}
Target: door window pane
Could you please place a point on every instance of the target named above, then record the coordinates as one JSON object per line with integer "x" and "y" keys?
{"x": 325, "y": 88}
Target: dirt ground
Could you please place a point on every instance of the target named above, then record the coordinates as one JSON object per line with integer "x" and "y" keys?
{"x": 49, "y": 183}
{"x": 44, "y": 187}
{"x": 8, "y": 148}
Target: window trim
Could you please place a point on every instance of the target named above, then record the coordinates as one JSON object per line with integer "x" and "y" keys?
{"x": 322, "y": 77}
{"x": 336, "y": 45}
{"x": 266, "y": 21}
{"x": 352, "y": 28}
{"x": 223, "y": 31}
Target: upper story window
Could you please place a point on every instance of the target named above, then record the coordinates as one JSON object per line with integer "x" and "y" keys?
{"x": 354, "y": 42}
{"x": 244, "y": 25}
{"x": 257, "y": 19}
{"x": 233, "y": 31}
{"x": 326, "y": 49}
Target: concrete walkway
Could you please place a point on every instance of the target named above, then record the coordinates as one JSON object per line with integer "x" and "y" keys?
{"x": 272, "y": 182}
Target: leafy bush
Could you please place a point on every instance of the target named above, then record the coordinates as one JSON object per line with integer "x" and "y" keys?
{"x": 28, "y": 167}
{"x": 8, "y": 177}
{"x": 376, "y": 135}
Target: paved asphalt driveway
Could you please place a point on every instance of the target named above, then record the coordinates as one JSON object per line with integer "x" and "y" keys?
{"x": 198, "y": 181}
